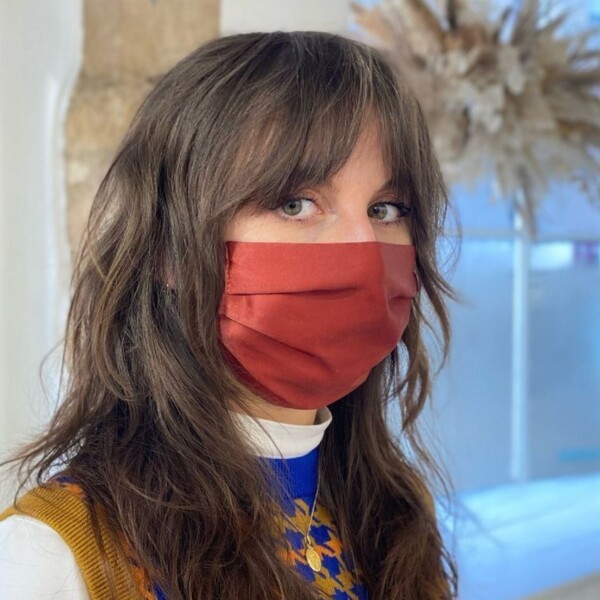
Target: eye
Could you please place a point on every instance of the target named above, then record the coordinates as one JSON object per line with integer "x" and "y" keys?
{"x": 295, "y": 207}
{"x": 389, "y": 212}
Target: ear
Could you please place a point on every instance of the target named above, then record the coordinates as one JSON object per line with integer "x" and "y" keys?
{"x": 168, "y": 278}
{"x": 165, "y": 272}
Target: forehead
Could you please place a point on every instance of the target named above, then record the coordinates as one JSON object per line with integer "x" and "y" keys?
{"x": 369, "y": 142}
{"x": 366, "y": 160}
{"x": 282, "y": 154}
{"x": 366, "y": 150}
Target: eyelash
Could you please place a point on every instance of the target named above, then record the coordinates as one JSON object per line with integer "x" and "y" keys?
{"x": 403, "y": 208}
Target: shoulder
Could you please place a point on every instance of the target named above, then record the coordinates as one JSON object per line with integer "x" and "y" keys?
{"x": 61, "y": 530}
{"x": 36, "y": 562}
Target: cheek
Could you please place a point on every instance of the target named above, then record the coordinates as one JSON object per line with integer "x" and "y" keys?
{"x": 395, "y": 234}
{"x": 248, "y": 226}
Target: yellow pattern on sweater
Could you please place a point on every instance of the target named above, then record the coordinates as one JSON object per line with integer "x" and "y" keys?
{"x": 64, "y": 506}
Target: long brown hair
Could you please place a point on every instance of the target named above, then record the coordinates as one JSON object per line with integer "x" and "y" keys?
{"x": 145, "y": 425}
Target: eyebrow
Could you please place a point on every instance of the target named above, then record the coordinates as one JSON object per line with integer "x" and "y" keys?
{"x": 386, "y": 186}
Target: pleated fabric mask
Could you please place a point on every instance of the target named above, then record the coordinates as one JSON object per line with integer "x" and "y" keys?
{"x": 303, "y": 324}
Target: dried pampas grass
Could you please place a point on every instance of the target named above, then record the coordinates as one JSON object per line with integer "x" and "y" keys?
{"x": 506, "y": 97}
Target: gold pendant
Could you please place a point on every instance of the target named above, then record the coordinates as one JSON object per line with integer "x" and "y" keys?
{"x": 313, "y": 559}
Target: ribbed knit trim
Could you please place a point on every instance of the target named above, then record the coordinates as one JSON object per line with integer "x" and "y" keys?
{"x": 50, "y": 505}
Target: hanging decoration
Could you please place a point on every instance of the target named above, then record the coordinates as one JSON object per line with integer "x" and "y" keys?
{"x": 507, "y": 93}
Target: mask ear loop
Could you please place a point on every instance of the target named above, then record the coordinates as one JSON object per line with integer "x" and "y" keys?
{"x": 227, "y": 267}
{"x": 416, "y": 273}
{"x": 417, "y": 281}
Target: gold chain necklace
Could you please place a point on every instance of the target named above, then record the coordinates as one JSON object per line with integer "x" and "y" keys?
{"x": 313, "y": 558}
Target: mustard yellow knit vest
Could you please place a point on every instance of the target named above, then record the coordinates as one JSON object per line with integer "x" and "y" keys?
{"x": 68, "y": 514}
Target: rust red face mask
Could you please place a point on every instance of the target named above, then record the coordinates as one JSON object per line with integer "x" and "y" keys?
{"x": 303, "y": 324}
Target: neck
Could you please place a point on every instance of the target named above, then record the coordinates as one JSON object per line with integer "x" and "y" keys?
{"x": 281, "y": 414}
{"x": 276, "y": 439}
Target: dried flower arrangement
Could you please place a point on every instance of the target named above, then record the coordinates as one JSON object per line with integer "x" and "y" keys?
{"x": 507, "y": 97}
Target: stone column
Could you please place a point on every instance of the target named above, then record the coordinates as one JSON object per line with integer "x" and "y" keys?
{"x": 128, "y": 44}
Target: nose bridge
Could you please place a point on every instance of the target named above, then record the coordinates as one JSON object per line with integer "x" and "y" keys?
{"x": 353, "y": 227}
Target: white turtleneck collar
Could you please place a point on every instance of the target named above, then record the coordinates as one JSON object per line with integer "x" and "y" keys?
{"x": 290, "y": 440}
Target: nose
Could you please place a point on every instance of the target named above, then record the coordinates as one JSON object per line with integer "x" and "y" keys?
{"x": 352, "y": 228}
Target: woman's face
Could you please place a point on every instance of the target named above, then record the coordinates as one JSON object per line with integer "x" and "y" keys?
{"x": 355, "y": 205}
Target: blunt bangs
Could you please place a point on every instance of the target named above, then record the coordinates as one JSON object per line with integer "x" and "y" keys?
{"x": 303, "y": 123}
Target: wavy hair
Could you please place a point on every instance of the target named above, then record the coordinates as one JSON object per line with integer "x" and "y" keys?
{"x": 144, "y": 425}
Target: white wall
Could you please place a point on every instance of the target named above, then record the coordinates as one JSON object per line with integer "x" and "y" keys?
{"x": 40, "y": 54}
{"x": 239, "y": 16}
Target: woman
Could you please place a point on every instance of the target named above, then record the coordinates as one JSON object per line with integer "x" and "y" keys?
{"x": 248, "y": 301}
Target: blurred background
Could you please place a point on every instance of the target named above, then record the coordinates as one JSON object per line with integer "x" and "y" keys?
{"x": 515, "y": 412}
